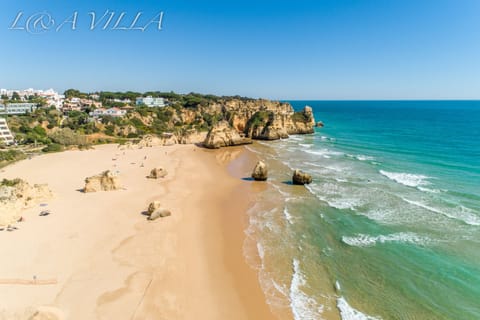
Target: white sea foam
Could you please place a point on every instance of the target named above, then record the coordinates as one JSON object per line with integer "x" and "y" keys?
{"x": 279, "y": 189}
{"x": 360, "y": 157}
{"x": 460, "y": 213}
{"x": 349, "y": 313}
{"x": 331, "y": 194}
{"x": 252, "y": 150}
{"x": 305, "y": 145}
{"x": 295, "y": 138}
{"x": 303, "y": 307}
{"x": 364, "y": 158}
{"x": 287, "y": 215}
{"x": 362, "y": 240}
{"x": 261, "y": 251}
{"x": 324, "y": 153}
{"x": 337, "y": 286}
{"x": 407, "y": 179}
{"x": 428, "y": 190}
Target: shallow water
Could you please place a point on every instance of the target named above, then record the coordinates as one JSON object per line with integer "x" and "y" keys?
{"x": 390, "y": 228}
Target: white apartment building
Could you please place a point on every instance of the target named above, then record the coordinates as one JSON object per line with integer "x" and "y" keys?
{"x": 114, "y": 112}
{"x": 151, "y": 102}
{"x": 53, "y": 98}
{"x": 6, "y": 136}
{"x": 17, "y": 108}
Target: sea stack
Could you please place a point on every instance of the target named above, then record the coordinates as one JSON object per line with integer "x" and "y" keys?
{"x": 260, "y": 172}
{"x": 301, "y": 178}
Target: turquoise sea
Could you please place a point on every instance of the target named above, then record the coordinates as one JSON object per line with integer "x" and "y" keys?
{"x": 390, "y": 228}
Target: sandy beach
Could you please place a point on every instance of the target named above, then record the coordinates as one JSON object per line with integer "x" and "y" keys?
{"x": 97, "y": 257}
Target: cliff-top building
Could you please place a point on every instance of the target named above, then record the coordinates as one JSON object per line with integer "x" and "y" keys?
{"x": 6, "y": 136}
{"x": 151, "y": 102}
{"x": 17, "y": 108}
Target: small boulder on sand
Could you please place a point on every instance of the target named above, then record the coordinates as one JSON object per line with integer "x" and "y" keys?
{"x": 158, "y": 173}
{"x": 260, "y": 172}
{"x": 106, "y": 181}
{"x": 301, "y": 178}
{"x": 160, "y": 213}
{"x": 152, "y": 207}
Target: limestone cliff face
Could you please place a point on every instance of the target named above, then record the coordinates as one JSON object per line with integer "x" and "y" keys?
{"x": 17, "y": 195}
{"x": 223, "y": 135}
{"x": 280, "y": 123}
{"x": 251, "y": 118}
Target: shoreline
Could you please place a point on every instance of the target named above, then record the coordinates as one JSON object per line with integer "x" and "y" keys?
{"x": 105, "y": 251}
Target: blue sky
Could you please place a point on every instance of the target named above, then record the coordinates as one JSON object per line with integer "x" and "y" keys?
{"x": 357, "y": 49}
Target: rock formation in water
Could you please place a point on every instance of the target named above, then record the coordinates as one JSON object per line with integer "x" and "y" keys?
{"x": 224, "y": 135}
{"x": 106, "y": 181}
{"x": 260, "y": 172}
{"x": 301, "y": 178}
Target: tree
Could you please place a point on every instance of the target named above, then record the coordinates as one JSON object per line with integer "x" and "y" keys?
{"x": 74, "y": 93}
{"x": 15, "y": 96}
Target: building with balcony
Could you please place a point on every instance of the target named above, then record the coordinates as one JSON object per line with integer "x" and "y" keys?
{"x": 17, "y": 108}
{"x": 6, "y": 136}
{"x": 114, "y": 112}
{"x": 151, "y": 102}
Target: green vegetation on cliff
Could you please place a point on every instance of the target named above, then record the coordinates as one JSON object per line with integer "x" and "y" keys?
{"x": 183, "y": 115}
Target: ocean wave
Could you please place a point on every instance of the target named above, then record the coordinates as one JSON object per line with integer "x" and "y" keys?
{"x": 428, "y": 190}
{"x": 360, "y": 157}
{"x": 295, "y": 138}
{"x": 305, "y": 145}
{"x": 461, "y": 213}
{"x": 287, "y": 215}
{"x": 349, "y": 313}
{"x": 303, "y": 307}
{"x": 333, "y": 195}
{"x": 363, "y": 240}
{"x": 326, "y": 153}
{"x": 407, "y": 179}
{"x": 279, "y": 189}
{"x": 253, "y": 150}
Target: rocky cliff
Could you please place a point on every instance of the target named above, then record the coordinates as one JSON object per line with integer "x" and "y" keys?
{"x": 264, "y": 119}
{"x": 223, "y": 135}
{"x": 17, "y": 195}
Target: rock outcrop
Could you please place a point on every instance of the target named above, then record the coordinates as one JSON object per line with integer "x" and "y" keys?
{"x": 224, "y": 135}
{"x": 192, "y": 137}
{"x": 267, "y": 125}
{"x": 301, "y": 178}
{"x": 279, "y": 124}
{"x": 158, "y": 173}
{"x": 152, "y": 207}
{"x": 246, "y": 118}
{"x": 17, "y": 195}
{"x": 106, "y": 181}
{"x": 260, "y": 172}
{"x": 160, "y": 213}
